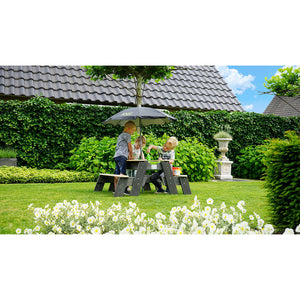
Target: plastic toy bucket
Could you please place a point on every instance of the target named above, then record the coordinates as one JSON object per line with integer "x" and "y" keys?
{"x": 176, "y": 170}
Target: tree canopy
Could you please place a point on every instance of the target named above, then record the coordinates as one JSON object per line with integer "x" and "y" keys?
{"x": 287, "y": 83}
{"x": 140, "y": 74}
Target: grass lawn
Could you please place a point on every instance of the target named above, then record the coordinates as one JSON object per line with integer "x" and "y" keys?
{"x": 15, "y": 198}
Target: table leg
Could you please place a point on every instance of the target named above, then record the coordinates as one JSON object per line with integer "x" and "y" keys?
{"x": 169, "y": 177}
{"x": 121, "y": 185}
{"x": 139, "y": 178}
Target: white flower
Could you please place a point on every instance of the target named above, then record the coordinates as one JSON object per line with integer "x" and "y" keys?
{"x": 241, "y": 203}
{"x": 268, "y": 229}
{"x": 72, "y": 223}
{"x": 85, "y": 206}
{"x": 200, "y": 230}
{"x": 36, "y": 228}
{"x": 37, "y": 214}
{"x": 225, "y": 217}
{"x": 288, "y": 231}
{"x": 96, "y": 230}
{"x": 161, "y": 226}
{"x": 78, "y": 227}
{"x": 91, "y": 220}
{"x": 131, "y": 204}
{"x": 230, "y": 219}
{"x": 101, "y": 213}
{"x": 212, "y": 227}
{"x": 18, "y": 231}
{"x": 256, "y": 216}
{"x": 205, "y": 223}
{"x": 115, "y": 218}
{"x": 62, "y": 222}
{"x": 223, "y": 205}
{"x": 251, "y": 217}
{"x": 260, "y": 222}
{"x": 298, "y": 229}
{"x": 210, "y": 201}
{"x": 207, "y": 209}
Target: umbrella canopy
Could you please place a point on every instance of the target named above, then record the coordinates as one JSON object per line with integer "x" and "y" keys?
{"x": 141, "y": 116}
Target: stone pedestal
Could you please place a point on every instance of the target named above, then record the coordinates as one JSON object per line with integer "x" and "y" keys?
{"x": 223, "y": 170}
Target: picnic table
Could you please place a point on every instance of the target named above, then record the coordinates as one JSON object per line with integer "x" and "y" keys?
{"x": 142, "y": 180}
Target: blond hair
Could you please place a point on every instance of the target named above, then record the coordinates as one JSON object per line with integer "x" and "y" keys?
{"x": 173, "y": 140}
{"x": 129, "y": 124}
{"x": 143, "y": 140}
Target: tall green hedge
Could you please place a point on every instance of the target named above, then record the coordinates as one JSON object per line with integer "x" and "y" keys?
{"x": 283, "y": 181}
{"x": 43, "y": 133}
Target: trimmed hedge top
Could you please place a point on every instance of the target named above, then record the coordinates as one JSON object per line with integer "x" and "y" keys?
{"x": 43, "y": 133}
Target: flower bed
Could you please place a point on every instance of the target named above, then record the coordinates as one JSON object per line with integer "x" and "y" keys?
{"x": 77, "y": 218}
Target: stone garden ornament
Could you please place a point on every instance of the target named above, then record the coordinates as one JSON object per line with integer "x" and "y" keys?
{"x": 223, "y": 171}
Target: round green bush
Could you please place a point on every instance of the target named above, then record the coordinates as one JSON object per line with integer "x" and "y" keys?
{"x": 196, "y": 160}
{"x": 250, "y": 163}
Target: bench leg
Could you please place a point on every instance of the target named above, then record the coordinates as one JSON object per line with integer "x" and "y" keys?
{"x": 99, "y": 185}
{"x": 184, "y": 182}
{"x": 111, "y": 187}
{"x": 120, "y": 188}
{"x": 147, "y": 187}
{"x": 169, "y": 177}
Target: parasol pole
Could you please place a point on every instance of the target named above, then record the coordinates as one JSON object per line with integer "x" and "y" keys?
{"x": 140, "y": 138}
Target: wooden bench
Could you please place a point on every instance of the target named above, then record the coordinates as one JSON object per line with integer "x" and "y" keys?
{"x": 109, "y": 178}
{"x": 181, "y": 180}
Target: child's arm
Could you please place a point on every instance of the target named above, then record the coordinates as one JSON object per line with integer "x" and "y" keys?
{"x": 130, "y": 155}
{"x": 172, "y": 159}
{"x": 151, "y": 147}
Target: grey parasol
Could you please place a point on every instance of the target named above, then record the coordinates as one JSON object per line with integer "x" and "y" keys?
{"x": 141, "y": 116}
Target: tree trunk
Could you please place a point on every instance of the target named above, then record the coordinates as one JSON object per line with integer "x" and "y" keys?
{"x": 139, "y": 92}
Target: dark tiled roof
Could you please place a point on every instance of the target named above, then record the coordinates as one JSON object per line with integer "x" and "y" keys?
{"x": 279, "y": 107}
{"x": 191, "y": 88}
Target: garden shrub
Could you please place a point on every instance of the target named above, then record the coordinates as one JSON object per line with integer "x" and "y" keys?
{"x": 283, "y": 180}
{"x": 250, "y": 164}
{"x": 32, "y": 175}
{"x": 196, "y": 160}
{"x": 94, "y": 156}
